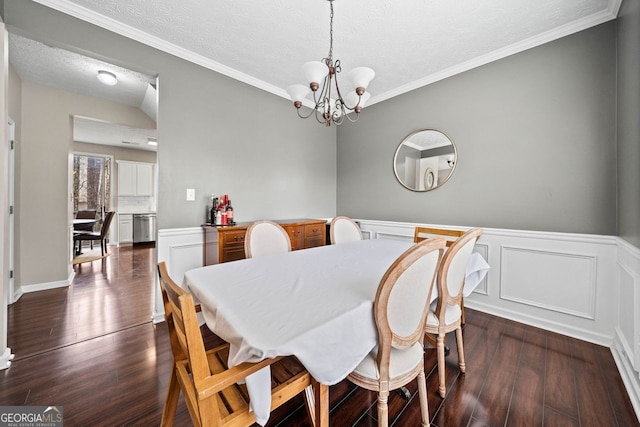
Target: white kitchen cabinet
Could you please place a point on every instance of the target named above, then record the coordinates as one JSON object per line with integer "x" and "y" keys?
{"x": 125, "y": 228}
{"x": 144, "y": 179}
{"x": 135, "y": 179}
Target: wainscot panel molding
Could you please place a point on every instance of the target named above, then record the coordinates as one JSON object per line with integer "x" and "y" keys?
{"x": 181, "y": 249}
{"x": 626, "y": 343}
{"x": 561, "y": 282}
{"x": 581, "y": 285}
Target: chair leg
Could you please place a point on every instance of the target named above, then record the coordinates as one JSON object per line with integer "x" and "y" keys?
{"x": 171, "y": 401}
{"x": 317, "y": 398}
{"x": 101, "y": 248}
{"x": 383, "y": 408}
{"x": 441, "y": 367}
{"x": 424, "y": 403}
{"x": 460, "y": 343}
{"x": 462, "y": 318}
{"x": 431, "y": 340}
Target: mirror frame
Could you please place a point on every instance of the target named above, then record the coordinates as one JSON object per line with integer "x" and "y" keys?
{"x": 424, "y": 178}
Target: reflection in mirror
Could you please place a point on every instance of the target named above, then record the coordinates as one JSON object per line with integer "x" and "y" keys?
{"x": 425, "y": 160}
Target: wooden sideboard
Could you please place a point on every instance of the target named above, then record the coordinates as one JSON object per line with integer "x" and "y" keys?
{"x": 226, "y": 243}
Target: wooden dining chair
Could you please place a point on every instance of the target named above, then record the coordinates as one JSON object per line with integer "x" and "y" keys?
{"x": 421, "y": 233}
{"x": 210, "y": 389}
{"x": 446, "y": 316}
{"x": 343, "y": 229}
{"x": 266, "y": 238}
{"x": 400, "y": 310}
{"x": 80, "y": 236}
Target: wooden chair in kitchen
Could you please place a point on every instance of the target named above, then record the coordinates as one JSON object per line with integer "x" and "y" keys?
{"x": 446, "y": 316}
{"x": 79, "y": 236}
{"x": 266, "y": 238}
{"x": 400, "y": 309}
{"x": 210, "y": 389}
{"x": 343, "y": 229}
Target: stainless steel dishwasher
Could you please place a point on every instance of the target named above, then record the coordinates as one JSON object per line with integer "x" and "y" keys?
{"x": 144, "y": 228}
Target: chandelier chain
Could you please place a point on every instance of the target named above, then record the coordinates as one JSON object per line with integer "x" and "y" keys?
{"x": 331, "y": 32}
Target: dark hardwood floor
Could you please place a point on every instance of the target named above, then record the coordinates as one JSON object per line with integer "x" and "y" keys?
{"x": 93, "y": 350}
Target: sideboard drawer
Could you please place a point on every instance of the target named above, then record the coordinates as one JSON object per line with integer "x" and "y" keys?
{"x": 314, "y": 235}
{"x": 296, "y": 235}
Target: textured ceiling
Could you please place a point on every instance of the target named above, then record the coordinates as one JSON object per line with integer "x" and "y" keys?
{"x": 99, "y": 132}
{"x": 409, "y": 43}
{"x": 61, "y": 69}
{"x": 38, "y": 63}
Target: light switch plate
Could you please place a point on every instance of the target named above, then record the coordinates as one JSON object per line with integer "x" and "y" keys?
{"x": 191, "y": 194}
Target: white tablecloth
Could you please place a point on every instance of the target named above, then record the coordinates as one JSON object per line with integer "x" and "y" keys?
{"x": 316, "y": 304}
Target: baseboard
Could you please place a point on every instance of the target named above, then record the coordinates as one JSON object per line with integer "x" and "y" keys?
{"x": 157, "y": 317}
{"x": 25, "y": 289}
{"x": 539, "y": 322}
{"x": 629, "y": 375}
{"x": 6, "y": 358}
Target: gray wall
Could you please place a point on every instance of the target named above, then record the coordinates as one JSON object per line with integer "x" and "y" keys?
{"x": 44, "y": 170}
{"x": 215, "y": 134}
{"x": 629, "y": 122}
{"x": 535, "y": 134}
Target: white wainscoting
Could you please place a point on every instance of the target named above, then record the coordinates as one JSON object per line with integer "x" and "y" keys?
{"x": 626, "y": 343}
{"x": 584, "y": 286}
{"x": 181, "y": 249}
{"x": 557, "y": 281}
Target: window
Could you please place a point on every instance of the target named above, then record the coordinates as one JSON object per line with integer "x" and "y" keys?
{"x": 91, "y": 183}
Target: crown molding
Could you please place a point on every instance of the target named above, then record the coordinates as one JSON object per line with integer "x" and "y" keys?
{"x": 549, "y": 36}
{"x": 124, "y": 30}
{"x": 117, "y": 27}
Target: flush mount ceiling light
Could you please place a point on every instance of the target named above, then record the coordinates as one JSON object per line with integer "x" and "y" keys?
{"x": 330, "y": 106}
{"x": 107, "y": 78}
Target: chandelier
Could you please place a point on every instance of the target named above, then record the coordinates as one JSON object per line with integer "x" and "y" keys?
{"x": 330, "y": 105}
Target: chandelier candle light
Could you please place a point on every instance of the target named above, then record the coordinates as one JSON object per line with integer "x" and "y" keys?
{"x": 328, "y": 109}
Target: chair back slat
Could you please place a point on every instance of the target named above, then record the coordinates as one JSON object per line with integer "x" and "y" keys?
{"x": 182, "y": 317}
{"x": 422, "y": 233}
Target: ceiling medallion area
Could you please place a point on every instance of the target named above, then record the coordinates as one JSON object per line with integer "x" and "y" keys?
{"x": 329, "y": 104}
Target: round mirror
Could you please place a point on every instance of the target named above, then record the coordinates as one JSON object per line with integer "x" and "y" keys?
{"x": 425, "y": 160}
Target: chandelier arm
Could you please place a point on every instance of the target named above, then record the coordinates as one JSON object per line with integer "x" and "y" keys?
{"x": 343, "y": 100}
{"x": 302, "y": 116}
{"x": 348, "y": 116}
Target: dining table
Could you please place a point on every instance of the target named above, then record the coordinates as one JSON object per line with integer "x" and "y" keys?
{"x": 315, "y": 304}
{"x": 80, "y": 225}
{"x": 83, "y": 221}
